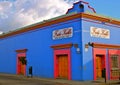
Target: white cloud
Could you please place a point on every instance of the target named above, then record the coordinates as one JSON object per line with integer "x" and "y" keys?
{"x": 20, "y": 13}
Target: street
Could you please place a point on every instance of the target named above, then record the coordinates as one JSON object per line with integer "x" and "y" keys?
{"x": 20, "y": 80}
{"x": 9, "y": 79}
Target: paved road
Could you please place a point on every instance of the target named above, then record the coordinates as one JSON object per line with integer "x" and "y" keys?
{"x": 6, "y": 79}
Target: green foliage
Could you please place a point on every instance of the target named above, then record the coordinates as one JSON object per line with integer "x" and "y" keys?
{"x": 23, "y": 60}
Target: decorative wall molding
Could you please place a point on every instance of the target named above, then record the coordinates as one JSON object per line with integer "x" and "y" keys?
{"x": 61, "y": 46}
{"x": 21, "y": 50}
{"x": 101, "y": 45}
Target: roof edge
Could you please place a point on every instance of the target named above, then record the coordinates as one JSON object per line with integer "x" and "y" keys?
{"x": 64, "y": 18}
{"x": 104, "y": 19}
{"x": 41, "y": 24}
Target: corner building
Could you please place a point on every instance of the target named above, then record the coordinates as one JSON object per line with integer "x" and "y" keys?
{"x": 80, "y": 45}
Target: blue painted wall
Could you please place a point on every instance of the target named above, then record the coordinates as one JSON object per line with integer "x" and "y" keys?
{"x": 88, "y": 56}
{"x": 77, "y": 7}
{"x": 40, "y": 54}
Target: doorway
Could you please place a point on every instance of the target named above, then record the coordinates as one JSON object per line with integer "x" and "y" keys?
{"x": 100, "y": 66}
{"x": 99, "y": 63}
{"x": 62, "y": 66}
{"x": 21, "y": 61}
{"x": 21, "y": 65}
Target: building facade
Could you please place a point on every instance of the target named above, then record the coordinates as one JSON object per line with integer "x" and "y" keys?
{"x": 79, "y": 45}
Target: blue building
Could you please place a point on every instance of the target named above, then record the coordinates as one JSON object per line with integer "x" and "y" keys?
{"x": 72, "y": 46}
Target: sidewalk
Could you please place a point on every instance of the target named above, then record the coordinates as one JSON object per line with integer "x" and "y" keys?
{"x": 64, "y": 82}
{"x": 71, "y": 82}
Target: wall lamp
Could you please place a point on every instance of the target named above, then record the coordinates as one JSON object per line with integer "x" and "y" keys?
{"x": 90, "y": 44}
{"x": 87, "y": 46}
{"x": 77, "y": 48}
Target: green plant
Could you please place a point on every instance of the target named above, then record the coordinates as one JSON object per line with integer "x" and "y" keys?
{"x": 23, "y": 60}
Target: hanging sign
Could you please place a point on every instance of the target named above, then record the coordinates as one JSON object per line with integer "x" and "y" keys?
{"x": 63, "y": 33}
{"x": 99, "y": 32}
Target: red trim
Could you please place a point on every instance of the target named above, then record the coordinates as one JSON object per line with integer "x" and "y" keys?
{"x": 59, "y": 52}
{"x": 83, "y": 3}
{"x": 99, "y": 51}
{"x": 92, "y": 8}
{"x": 89, "y": 6}
{"x": 18, "y": 63}
{"x": 74, "y": 4}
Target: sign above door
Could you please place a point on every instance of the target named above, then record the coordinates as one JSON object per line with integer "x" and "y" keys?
{"x": 62, "y": 33}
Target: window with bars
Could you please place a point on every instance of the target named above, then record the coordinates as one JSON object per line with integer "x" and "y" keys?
{"x": 115, "y": 65}
{"x": 114, "y": 61}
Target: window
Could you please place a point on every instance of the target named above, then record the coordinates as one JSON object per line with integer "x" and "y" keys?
{"x": 114, "y": 61}
{"x": 115, "y": 65}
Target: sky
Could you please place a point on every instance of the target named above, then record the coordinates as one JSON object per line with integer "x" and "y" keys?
{"x": 15, "y": 14}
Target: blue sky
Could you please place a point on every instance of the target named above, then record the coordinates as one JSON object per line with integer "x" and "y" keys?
{"x": 15, "y": 14}
{"x": 106, "y": 7}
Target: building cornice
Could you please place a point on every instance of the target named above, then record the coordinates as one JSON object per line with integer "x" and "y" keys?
{"x": 61, "y": 46}
{"x": 102, "y": 45}
{"x": 21, "y": 50}
{"x": 60, "y": 20}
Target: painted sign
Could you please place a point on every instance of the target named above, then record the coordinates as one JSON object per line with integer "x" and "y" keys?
{"x": 63, "y": 33}
{"x": 99, "y": 32}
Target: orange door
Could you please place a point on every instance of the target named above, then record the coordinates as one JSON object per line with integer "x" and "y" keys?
{"x": 22, "y": 69}
{"x": 99, "y": 66}
{"x": 63, "y": 66}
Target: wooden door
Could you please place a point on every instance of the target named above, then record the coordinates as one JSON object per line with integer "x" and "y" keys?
{"x": 98, "y": 66}
{"x": 99, "y": 63}
{"x": 22, "y": 69}
{"x": 63, "y": 66}
{"x": 21, "y": 66}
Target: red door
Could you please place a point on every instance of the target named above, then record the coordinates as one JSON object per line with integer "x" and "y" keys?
{"x": 21, "y": 63}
